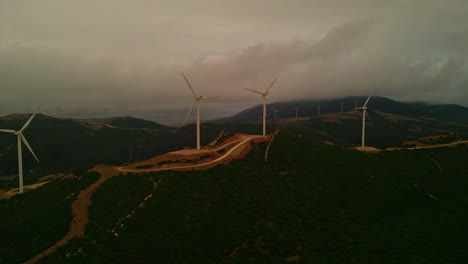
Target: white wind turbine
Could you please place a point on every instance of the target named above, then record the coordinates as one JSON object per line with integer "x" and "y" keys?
{"x": 264, "y": 95}
{"x": 297, "y": 109}
{"x": 275, "y": 111}
{"x": 196, "y": 102}
{"x": 341, "y": 107}
{"x": 21, "y": 139}
{"x": 364, "y": 115}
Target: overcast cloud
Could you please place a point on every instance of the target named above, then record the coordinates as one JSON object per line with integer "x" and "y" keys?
{"x": 129, "y": 54}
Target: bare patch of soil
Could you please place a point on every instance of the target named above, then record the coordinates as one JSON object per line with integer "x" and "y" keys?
{"x": 4, "y": 195}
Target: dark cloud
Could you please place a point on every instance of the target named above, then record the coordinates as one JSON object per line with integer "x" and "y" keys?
{"x": 129, "y": 55}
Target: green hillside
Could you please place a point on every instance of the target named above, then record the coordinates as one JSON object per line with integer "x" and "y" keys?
{"x": 310, "y": 202}
{"x": 68, "y": 145}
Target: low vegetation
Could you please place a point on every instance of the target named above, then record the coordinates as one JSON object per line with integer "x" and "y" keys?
{"x": 31, "y": 222}
{"x": 310, "y": 203}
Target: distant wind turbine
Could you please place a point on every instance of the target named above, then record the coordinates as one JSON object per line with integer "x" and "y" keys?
{"x": 318, "y": 110}
{"x": 21, "y": 139}
{"x": 196, "y": 101}
{"x": 275, "y": 111}
{"x": 364, "y": 115}
{"x": 341, "y": 107}
{"x": 264, "y": 95}
{"x": 297, "y": 108}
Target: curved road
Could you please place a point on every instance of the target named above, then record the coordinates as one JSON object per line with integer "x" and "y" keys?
{"x": 215, "y": 161}
{"x": 83, "y": 202}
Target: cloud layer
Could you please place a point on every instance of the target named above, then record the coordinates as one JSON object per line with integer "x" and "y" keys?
{"x": 129, "y": 54}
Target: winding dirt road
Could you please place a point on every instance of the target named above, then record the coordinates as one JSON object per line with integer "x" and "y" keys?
{"x": 212, "y": 162}
{"x": 81, "y": 205}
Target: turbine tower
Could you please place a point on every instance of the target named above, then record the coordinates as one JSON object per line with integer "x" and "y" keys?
{"x": 196, "y": 101}
{"x": 341, "y": 107}
{"x": 21, "y": 139}
{"x": 364, "y": 115}
{"x": 264, "y": 95}
{"x": 275, "y": 111}
{"x": 297, "y": 108}
{"x": 318, "y": 110}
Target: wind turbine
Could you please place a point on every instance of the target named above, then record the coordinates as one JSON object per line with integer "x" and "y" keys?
{"x": 297, "y": 108}
{"x": 264, "y": 95}
{"x": 364, "y": 115}
{"x": 318, "y": 110}
{"x": 21, "y": 139}
{"x": 275, "y": 111}
{"x": 341, "y": 107}
{"x": 196, "y": 101}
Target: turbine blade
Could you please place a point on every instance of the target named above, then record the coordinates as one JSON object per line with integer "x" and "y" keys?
{"x": 206, "y": 98}
{"x": 28, "y": 122}
{"x": 29, "y": 147}
{"x": 189, "y": 85}
{"x": 189, "y": 111}
{"x": 368, "y": 99}
{"x": 253, "y": 91}
{"x": 271, "y": 85}
{"x": 7, "y": 130}
{"x": 370, "y": 121}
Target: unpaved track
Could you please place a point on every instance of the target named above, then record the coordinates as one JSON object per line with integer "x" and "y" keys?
{"x": 80, "y": 212}
{"x": 81, "y": 205}
{"x": 212, "y": 162}
{"x": 432, "y": 146}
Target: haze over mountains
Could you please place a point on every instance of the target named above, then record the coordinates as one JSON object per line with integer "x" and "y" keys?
{"x": 74, "y": 144}
{"x": 407, "y": 50}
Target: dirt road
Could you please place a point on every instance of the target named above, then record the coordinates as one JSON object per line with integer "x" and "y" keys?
{"x": 432, "y": 146}
{"x": 80, "y": 212}
{"x": 81, "y": 205}
{"x": 239, "y": 142}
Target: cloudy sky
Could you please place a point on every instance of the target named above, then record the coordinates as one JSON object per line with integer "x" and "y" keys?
{"x": 127, "y": 54}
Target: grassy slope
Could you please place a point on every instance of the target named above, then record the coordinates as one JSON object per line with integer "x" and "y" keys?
{"x": 35, "y": 220}
{"x": 322, "y": 203}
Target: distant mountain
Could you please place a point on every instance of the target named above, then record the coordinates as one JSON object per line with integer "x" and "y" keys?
{"x": 450, "y": 112}
{"x": 126, "y": 122}
{"x": 392, "y": 122}
{"x": 67, "y": 145}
